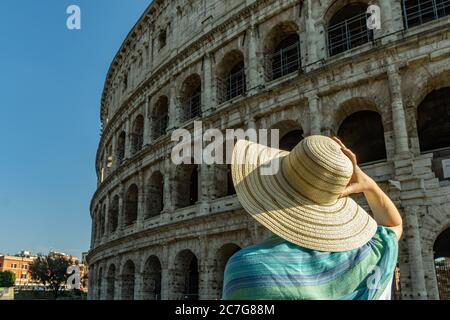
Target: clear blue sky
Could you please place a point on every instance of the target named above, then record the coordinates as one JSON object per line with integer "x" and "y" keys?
{"x": 51, "y": 81}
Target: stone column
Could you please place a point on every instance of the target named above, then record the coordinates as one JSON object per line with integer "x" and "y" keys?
{"x": 165, "y": 274}
{"x": 138, "y": 285}
{"x": 106, "y": 233}
{"x": 167, "y": 192}
{"x": 141, "y": 201}
{"x": 398, "y": 112}
{"x": 127, "y": 139}
{"x": 120, "y": 220}
{"x": 92, "y": 231}
{"x": 208, "y": 103}
{"x": 321, "y": 40}
{"x": 173, "y": 107}
{"x": 114, "y": 164}
{"x": 413, "y": 242}
{"x": 203, "y": 274}
{"x": 314, "y": 114}
{"x": 311, "y": 34}
{"x": 254, "y": 77}
{"x": 147, "y": 122}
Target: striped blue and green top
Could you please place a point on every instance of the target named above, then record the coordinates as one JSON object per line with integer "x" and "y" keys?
{"x": 278, "y": 269}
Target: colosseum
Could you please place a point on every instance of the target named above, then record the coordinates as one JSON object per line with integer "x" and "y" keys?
{"x": 165, "y": 231}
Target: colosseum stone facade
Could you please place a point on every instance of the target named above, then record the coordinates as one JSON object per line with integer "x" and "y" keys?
{"x": 161, "y": 231}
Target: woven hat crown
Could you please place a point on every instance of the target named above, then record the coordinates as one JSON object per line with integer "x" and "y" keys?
{"x": 318, "y": 169}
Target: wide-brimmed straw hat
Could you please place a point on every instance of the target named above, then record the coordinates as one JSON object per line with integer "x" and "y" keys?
{"x": 296, "y": 194}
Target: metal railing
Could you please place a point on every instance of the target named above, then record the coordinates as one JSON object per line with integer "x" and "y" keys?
{"x": 137, "y": 142}
{"x": 192, "y": 107}
{"x": 160, "y": 125}
{"x": 283, "y": 62}
{"x": 234, "y": 85}
{"x": 349, "y": 34}
{"x": 417, "y": 12}
{"x": 442, "y": 266}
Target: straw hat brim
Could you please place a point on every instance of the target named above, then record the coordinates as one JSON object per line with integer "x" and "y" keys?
{"x": 270, "y": 199}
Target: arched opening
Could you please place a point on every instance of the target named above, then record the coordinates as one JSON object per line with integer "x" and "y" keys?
{"x": 191, "y": 96}
{"x": 222, "y": 257}
{"x": 131, "y": 205}
{"x": 187, "y": 186}
{"x": 347, "y": 29}
{"x": 160, "y": 117}
{"x": 291, "y": 139}
{"x": 441, "y": 251}
{"x": 111, "y": 283}
{"x": 186, "y": 276}
{"x": 99, "y": 283}
{"x": 137, "y": 135}
{"x": 363, "y": 133}
{"x": 128, "y": 279}
{"x": 433, "y": 128}
{"x": 162, "y": 38}
{"x": 231, "y": 80}
{"x": 417, "y": 12}
{"x": 155, "y": 195}
{"x": 102, "y": 220}
{"x": 282, "y": 51}
{"x": 152, "y": 279}
{"x": 121, "y": 146}
{"x": 114, "y": 214}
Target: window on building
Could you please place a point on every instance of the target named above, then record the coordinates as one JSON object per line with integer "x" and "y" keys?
{"x": 363, "y": 133}
{"x": 160, "y": 117}
{"x": 417, "y": 12}
{"x": 282, "y": 49}
{"x": 162, "y": 39}
{"x": 231, "y": 80}
{"x": 347, "y": 29}
{"x": 191, "y": 97}
{"x": 23, "y": 276}
{"x": 24, "y": 266}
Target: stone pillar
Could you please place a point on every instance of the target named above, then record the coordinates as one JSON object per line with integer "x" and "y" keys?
{"x": 106, "y": 232}
{"x": 165, "y": 274}
{"x": 92, "y": 231}
{"x": 413, "y": 242}
{"x": 120, "y": 220}
{"x": 114, "y": 152}
{"x": 141, "y": 201}
{"x": 138, "y": 285}
{"x": 203, "y": 276}
{"x": 174, "y": 109}
{"x": 167, "y": 192}
{"x": 311, "y": 34}
{"x": 254, "y": 77}
{"x": 127, "y": 139}
{"x": 314, "y": 114}
{"x": 91, "y": 282}
{"x": 147, "y": 122}
{"x": 398, "y": 112}
{"x": 321, "y": 40}
{"x": 208, "y": 103}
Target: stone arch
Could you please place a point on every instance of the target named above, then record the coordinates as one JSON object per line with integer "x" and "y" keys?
{"x": 160, "y": 117}
{"x": 187, "y": 187}
{"x": 113, "y": 218}
{"x": 363, "y": 133}
{"x": 151, "y": 277}
{"x": 185, "y": 276}
{"x": 231, "y": 77}
{"x": 137, "y": 134}
{"x": 290, "y": 133}
{"x": 223, "y": 254}
{"x": 111, "y": 282}
{"x": 128, "y": 280}
{"x": 347, "y": 26}
{"x": 191, "y": 96}
{"x": 433, "y": 222}
{"x": 131, "y": 205}
{"x": 433, "y": 120}
{"x": 155, "y": 194}
{"x": 282, "y": 50}
{"x": 441, "y": 251}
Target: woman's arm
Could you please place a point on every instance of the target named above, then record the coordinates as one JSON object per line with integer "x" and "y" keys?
{"x": 384, "y": 211}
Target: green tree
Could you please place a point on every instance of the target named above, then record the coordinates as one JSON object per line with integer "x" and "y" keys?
{"x": 7, "y": 279}
{"x": 50, "y": 270}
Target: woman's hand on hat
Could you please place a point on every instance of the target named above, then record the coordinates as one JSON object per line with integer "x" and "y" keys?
{"x": 359, "y": 182}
